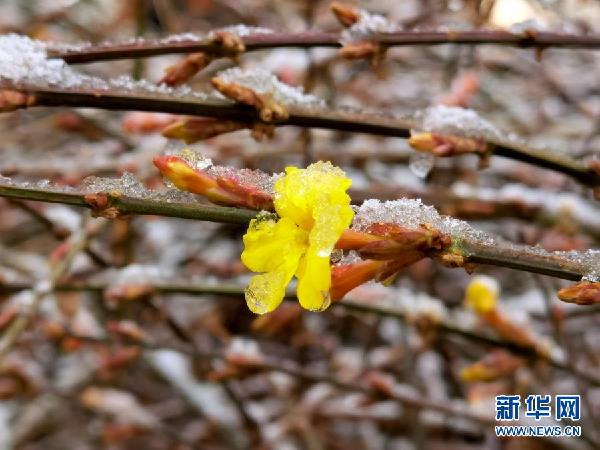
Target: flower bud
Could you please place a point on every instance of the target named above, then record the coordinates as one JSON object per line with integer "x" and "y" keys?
{"x": 194, "y": 129}
{"x": 446, "y": 145}
{"x": 147, "y": 122}
{"x": 224, "y": 190}
{"x": 346, "y": 15}
{"x": 353, "y": 240}
{"x": 496, "y": 364}
{"x": 346, "y": 277}
{"x": 12, "y": 100}
{"x": 361, "y": 50}
{"x": 481, "y": 294}
{"x": 179, "y": 73}
{"x": 582, "y": 293}
{"x": 238, "y": 93}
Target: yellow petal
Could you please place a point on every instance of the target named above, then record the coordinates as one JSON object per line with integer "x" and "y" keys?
{"x": 274, "y": 248}
{"x": 315, "y": 210}
{"x": 268, "y": 244}
{"x": 300, "y": 191}
{"x": 314, "y": 281}
{"x": 266, "y": 291}
{"x": 332, "y": 215}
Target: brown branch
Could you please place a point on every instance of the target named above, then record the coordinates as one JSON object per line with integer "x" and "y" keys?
{"x": 341, "y": 119}
{"x": 516, "y": 257}
{"x": 146, "y": 48}
{"x": 237, "y": 291}
{"x": 77, "y": 243}
{"x": 270, "y": 363}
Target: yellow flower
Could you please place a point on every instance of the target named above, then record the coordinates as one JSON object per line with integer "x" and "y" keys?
{"x": 482, "y": 294}
{"x": 314, "y": 210}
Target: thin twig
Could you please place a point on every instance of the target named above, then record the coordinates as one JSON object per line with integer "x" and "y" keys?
{"x": 315, "y": 117}
{"x": 308, "y": 39}
{"x": 77, "y": 243}
{"x": 237, "y": 291}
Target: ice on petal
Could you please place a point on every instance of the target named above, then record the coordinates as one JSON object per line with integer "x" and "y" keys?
{"x": 264, "y": 82}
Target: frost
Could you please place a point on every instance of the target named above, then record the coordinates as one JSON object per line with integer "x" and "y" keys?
{"x": 526, "y": 26}
{"x": 181, "y": 37}
{"x": 411, "y": 214}
{"x": 367, "y": 25}
{"x": 257, "y": 179}
{"x": 43, "y": 185}
{"x": 242, "y": 30}
{"x": 252, "y": 178}
{"x": 140, "y": 273}
{"x": 264, "y": 82}
{"x": 24, "y": 61}
{"x": 456, "y": 121}
{"x": 170, "y": 39}
{"x": 589, "y": 259}
{"x": 421, "y": 163}
{"x": 557, "y": 203}
{"x": 127, "y": 185}
{"x": 243, "y": 348}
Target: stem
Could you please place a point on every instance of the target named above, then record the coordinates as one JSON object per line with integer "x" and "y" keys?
{"x": 341, "y": 120}
{"x": 77, "y": 243}
{"x": 128, "y": 205}
{"x": 519, "y": 258}
{"x": 235, "y": 290}
{"x": 315, "y": 38}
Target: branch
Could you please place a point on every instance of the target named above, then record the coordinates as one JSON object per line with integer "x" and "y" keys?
{"x": 128, "y": 205}
{"x": 317, "y": 117}
{"x": 522, "y": 258}
{"x": 237, "y": 291}
{"x": 76, "y": 243}
{"x": 261, "y": 41}
{"x": 270, "y": 363}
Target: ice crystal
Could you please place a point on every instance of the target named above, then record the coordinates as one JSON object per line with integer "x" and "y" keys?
{"x": 264, "y": 82}
{"x": 140, "y": 273}
{"x": 456, "y": 121}
{"x": 421, "y": 163}
{"x": 367, "y": 25}
{"x": 127, "y": 185}
{"x": 590, "y": 260}
{"x": 248, "y": 177}
{"x": 195, "y": 158}
{"x": 242, "y": 30}
{"x": 410, "y": 213}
